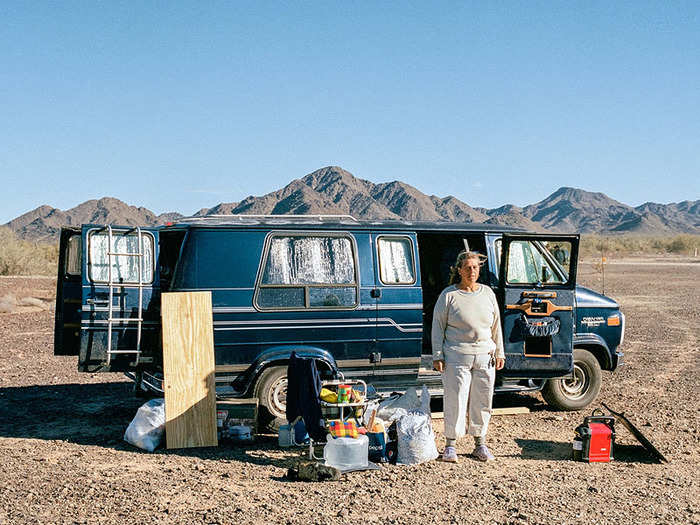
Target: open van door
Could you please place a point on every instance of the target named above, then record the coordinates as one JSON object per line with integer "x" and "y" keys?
{"x": 537, "y": 282}
{"x": 66, "y": 334}
{"x": 120, "y": 300}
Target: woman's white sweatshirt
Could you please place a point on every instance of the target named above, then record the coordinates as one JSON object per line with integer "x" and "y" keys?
{"x": 466, "y": 323}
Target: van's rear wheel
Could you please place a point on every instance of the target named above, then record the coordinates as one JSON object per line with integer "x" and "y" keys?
{"x": 581, "y": 389}
{"x": 271, "y": 391}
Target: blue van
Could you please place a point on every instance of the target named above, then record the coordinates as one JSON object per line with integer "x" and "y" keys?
{"x": 356, "y": 295}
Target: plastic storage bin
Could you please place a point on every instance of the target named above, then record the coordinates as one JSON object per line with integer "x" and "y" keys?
{"x": 346, "y": 453}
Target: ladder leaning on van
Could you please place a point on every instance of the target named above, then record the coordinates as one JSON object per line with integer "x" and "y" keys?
{"x": 111, "y": 254}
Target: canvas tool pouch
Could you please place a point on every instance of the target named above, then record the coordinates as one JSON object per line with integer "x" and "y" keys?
{"x": 538, "y": 326}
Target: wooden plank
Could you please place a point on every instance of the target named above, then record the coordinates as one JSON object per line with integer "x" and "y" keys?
{"x": 507, "y": 411}
{"x": 188, "y": 366}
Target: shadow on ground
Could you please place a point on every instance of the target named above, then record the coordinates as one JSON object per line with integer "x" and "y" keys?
{"x": 505, "y": 400}
{"x": 98, "y": 414}
{"x": 556, "y": 450}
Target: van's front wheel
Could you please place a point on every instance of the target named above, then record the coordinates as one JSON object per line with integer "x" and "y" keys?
{"x": 581, "y": 389}
{"x": 271, "y": 391}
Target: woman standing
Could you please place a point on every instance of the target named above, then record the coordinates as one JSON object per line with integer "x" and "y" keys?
{"x": 467, "y": 350}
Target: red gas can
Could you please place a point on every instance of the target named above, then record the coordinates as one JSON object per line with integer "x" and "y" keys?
{"x": 595, "y": 438}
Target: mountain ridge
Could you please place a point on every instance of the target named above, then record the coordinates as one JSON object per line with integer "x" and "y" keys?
{"x": 333, "y": 190}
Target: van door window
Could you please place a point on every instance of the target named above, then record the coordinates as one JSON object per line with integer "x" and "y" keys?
{"x": 73, "y": 252}
{"x": 528, "y": 264}
{"x": 396, "y": 260}
{"x": 308, "y": 271}
{"x": 125, "y": 268}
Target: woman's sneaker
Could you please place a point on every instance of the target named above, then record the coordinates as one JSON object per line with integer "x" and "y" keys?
{"x": 482, "y": 453}
{"x": 450, "y": 455}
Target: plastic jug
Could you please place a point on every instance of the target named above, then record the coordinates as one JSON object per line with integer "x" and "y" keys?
{"x": 293, "y": 434}
{"x": 301, "y": 436}
{"x": 286, "y": 436}
{"x": 345, "y": 453}
{"x": 241, "y": 433}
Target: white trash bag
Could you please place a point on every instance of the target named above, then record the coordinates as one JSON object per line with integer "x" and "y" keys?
{"x": 397, "y": 407}
{"x": 416, "y": 439}
{"x": 146, "y": 429}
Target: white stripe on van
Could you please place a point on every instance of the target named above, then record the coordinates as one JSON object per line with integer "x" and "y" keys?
{"x": 233, "y": 309}
{"x": 278, "y": 324}
{"x": 393, "y": 324}
{"x": 414, "y": 306}
{"x": 297, "y": 321}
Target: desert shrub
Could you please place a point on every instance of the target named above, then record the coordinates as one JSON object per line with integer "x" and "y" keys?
{"x": 20, "y": 257}
{"x": 611, "y": 245}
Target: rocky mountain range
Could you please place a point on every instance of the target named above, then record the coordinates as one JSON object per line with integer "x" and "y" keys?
{"x": 332, "y": 190}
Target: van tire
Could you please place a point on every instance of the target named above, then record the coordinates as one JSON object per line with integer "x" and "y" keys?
{"x": 271, "y": 391}
{"x": 577, "y": 392}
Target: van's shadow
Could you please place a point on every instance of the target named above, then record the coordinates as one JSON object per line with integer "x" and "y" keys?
{"x": 98, "y": 414}
{"x": 556, "y": 450}
{"x": 505, "y": 400}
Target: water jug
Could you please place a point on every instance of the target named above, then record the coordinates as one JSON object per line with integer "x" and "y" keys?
{"x": 346, "y": 453}
{"x": 286, "y": 436}
{"x": 241, "y": 433}
{"x": 301, "y": 436}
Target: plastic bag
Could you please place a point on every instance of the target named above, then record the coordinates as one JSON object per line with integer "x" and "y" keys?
{"x": 416, "y": 440}
{"x": 396, "y": 407}
{"x": 146, "y": 429}
{"x": 425, "y": 400}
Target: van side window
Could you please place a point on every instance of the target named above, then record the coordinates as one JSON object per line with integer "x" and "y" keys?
{"x": 73, "y": 257}
{"x": 396, "y": 264}
{"x": 308, "y": 271}
{"x": 125, "y": 268}
{"x": 527, "y": 265}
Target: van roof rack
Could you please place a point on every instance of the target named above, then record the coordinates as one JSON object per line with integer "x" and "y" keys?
{"x": 240, "y": 217}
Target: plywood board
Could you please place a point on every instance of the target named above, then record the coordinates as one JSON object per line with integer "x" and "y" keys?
{"x": 188, "y": 367}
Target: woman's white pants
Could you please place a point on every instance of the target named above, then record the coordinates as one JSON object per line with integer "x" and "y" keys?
{"x": 468, "y": 394}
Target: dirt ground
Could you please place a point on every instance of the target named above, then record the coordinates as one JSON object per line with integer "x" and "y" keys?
{"x": 64, "y": 460}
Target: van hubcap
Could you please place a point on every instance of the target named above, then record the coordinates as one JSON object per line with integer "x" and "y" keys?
{"x": 277, "y": 398}
{"x": 576, "y": 386}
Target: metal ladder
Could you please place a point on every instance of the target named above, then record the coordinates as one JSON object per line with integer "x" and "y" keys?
{"x": 110, "y": 318}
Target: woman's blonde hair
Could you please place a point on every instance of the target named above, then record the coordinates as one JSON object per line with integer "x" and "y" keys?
{"x": 461, "y": 257}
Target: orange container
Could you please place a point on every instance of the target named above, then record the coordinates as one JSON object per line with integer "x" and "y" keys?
{"x": 343, "y": 393}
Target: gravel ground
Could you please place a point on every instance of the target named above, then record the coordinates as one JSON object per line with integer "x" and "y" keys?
{"x": 64, "y": 460}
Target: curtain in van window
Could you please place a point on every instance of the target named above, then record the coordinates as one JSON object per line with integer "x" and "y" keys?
{"x": 309, "y": 260}
{"x": 73, "y": 255}
{"x": 124, "y": 268}
{"x": 396, "y": 261}
{"x": 517, "y": 271}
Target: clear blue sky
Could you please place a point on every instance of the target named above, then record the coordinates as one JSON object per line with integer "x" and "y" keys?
{"x": 176, "y": 106}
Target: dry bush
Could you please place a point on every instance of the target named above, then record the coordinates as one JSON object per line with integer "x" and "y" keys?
{"x": 683, "y": 244}
{"x": 19, "y": 257}
{"x": 8, "y": 303}
{"x": 33, "y": 301}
